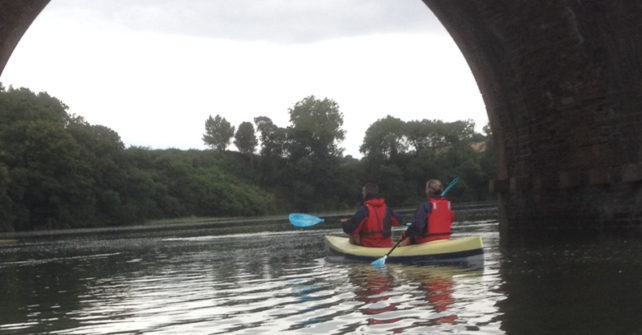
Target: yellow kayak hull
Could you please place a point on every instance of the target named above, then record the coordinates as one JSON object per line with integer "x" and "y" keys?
{"x": 460, "y": 250}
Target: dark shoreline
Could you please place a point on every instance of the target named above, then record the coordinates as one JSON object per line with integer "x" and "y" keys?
{"x": 463, "y": 211}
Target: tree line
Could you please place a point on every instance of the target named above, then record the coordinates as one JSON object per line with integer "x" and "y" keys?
{"x": 59, "y": 171}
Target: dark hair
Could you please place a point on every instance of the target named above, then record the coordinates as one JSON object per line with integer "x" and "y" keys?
{"x": 372, "y": 190}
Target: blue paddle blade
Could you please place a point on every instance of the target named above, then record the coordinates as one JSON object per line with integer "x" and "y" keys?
{"x": 380, "y": 261}
{"x": 304, "y": 220}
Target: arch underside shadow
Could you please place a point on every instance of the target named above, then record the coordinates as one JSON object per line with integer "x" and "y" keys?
{"x": 15, "y": 18}
{"x": 561, "y": 84}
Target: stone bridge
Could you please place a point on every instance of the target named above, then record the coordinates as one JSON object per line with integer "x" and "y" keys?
{"x": 562, "y": 84}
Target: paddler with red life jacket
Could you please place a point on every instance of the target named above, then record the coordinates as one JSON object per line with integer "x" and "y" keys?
{"x": 370, "y": 225}
{"x": 432, "y": 219}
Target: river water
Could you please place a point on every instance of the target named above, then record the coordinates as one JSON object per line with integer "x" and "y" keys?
{"x": 202, "y": 281}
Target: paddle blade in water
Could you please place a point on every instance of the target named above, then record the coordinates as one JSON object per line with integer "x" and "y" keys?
{"x": 380, "y": 261}
{"x": 304, "y": 220}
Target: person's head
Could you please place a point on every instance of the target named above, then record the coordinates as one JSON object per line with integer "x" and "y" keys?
{"x": 370, "y": 191}
{"x": 434, "y": 188}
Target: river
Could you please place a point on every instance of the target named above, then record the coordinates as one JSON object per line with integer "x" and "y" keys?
{"x": 209, "y": 280}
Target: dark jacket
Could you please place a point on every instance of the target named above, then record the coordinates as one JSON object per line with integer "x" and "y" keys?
{"x": 374, "y": 231}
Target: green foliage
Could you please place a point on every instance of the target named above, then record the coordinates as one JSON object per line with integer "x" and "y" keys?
{"x": 273, "y": 138}
{"x": 436, "y": 134}
{"x": 403, "y": 155}
{"x": 6, "y": 204}
{"x": 218, "y": 133}
{"x": 349, "y": 177}
{"x": 49, "y": 182}
{"x": 102, "y": 152}
{"x": 23, "y": 105}
{"x": 245, "y": 140}
{"x": 59, "y": 171}
{"x": 385, "y": 139}
{"x": 314, "y": 153}
{"x": 316, "y": 128}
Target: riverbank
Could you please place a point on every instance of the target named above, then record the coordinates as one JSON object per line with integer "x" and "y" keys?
{"x": 463, "y": 211}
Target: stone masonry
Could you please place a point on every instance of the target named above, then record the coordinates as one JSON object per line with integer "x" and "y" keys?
{"x": 561, "y": 80}
{"x": 15, "y": 17}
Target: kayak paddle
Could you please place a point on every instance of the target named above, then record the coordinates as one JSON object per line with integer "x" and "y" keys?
{"x": 382, "y": 261}
{"x": 304, "y": 220}
{"x": 452, "y": 183}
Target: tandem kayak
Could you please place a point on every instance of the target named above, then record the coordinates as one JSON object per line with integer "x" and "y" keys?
{"x": 465, "y": 251}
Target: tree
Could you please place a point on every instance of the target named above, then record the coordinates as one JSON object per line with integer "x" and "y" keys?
{"x": 316, "y": 128}
{"x": 313, "y": 152}
{"x": 218, "y": 133}
{"x": 50, "y": 184}
{"x": 104, "y": 152}
{"x": 6, "y": 204}
{"x": 245, "y": 140}
{"x": 23, "y": 105}
{"x": 385, "y": 138}
{"x": 273, "y": 138}
{"x": 435, "y": 134}
{"x": 44, "y": 180}
{"x": 59, "y": 171}
{"x": 272, "y": 161}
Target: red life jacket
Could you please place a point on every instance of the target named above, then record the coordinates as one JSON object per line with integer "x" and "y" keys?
{"x": 438, "y": 221}
{"x": 374, "y": 230}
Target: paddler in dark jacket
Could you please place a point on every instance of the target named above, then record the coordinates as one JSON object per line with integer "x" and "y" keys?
{"x": 432, "y": 219}
{"x": 370, "y": 225}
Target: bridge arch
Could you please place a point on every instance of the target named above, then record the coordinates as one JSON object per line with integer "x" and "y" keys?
{"x": 561, "y": 84}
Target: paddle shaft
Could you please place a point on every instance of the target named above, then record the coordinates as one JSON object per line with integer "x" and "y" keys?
{"x": 395, "y": 247}
{"x": 452, "y": 183}
{"x": 382, "y": 259}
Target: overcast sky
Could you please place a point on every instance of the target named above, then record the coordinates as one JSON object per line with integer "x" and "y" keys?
{"x": 154, "y": 70}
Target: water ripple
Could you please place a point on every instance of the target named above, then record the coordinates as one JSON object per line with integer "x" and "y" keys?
{"x": 270, "y": 285}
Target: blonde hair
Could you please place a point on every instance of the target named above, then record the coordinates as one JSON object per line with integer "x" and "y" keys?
{"x": 433, "y": 186}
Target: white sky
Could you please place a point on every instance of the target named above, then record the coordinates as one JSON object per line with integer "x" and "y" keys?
{"x": 154, "y": 70}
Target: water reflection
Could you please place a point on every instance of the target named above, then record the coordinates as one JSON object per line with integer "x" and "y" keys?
{"x": 438, "y": 284}
{"x": 587, "y": 284}
{"x": 283, "y": 282}
{"x": 372, "y": 287}
{"x": 215, "y": 284}
{"x": 401, "y": 298}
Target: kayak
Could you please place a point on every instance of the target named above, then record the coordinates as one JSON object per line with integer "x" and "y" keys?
{"x": 465, "y": 250}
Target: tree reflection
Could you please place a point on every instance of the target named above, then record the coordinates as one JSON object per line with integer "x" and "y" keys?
{"x": 38, "y": 294}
